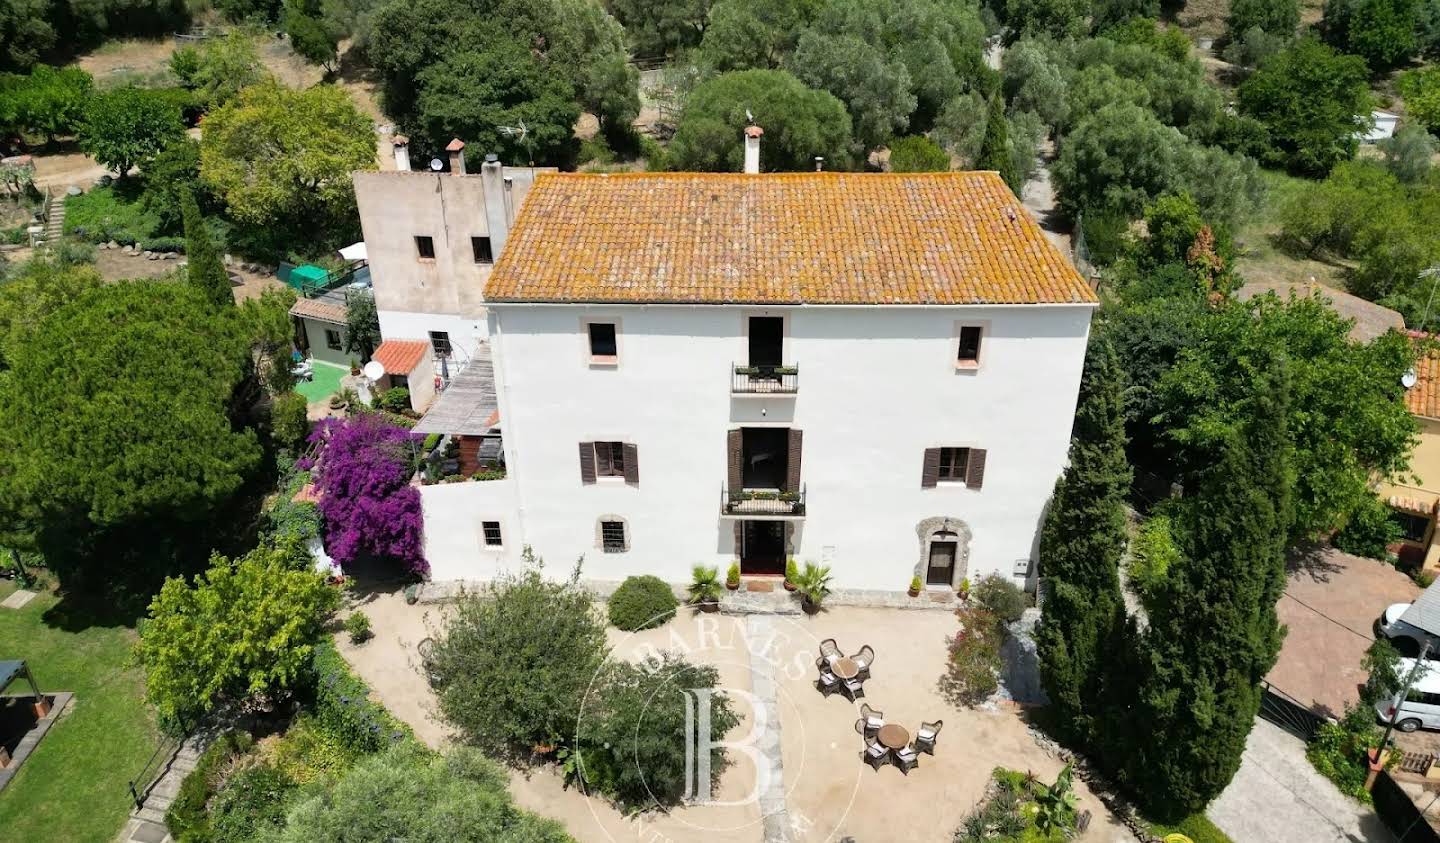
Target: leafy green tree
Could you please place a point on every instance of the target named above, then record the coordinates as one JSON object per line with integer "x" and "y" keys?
{"x": 427, "y": 798}
{"x": 960, "y": 127}
{"x": 243, "y": 631}
{"x": 917, "y": 154}
{"x": 205, "y": 271}
{"x": 1382, "y": 32}
{"x": 126, "y": 127}
{"x": 299, "y": 179}
{"x": 26, "y": 32}
{"x": 123, "y": 463}
{"x": 1314, "y": 102}
{"x": 995, "y": 152}
{"x": 313, "y": 36}
{"x": 1081, "y": 543}
{"x": 266, "y": 322}
{"x": 289, "y": 422}
{"x": 1369, "y": 530}
{"x": 35, "y": 290}
{"x": 753, "y": 34}
{"x": 1277, "y": 17}
{"x": 50, "y": 101}
{"x": 1408, "y": 154}
{"x": 800, "y": 123}
{"x": 226, "y": 66}
{"x": 1421, "y": 90}
{"x": 1033, "y": 81}
{"x": 1055, "y": 18}
{"x": 471, "y": 95}
{"x": 1216, "y": 634}
{"x": 662, "y": 28}
{"x": 516, "y": 662}
{"x": 362, "y": 325}
{"x": 255, "y": 11}
{"x": 875, "y": 91}
{"x": 169, "y": 177}
{"x": 1108, "y": 14}
{"x": 1254, "y": 46}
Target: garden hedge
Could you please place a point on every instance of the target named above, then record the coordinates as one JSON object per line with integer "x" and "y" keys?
{"x": 642, "y": 603}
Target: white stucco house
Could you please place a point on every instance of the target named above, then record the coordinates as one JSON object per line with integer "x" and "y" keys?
{"x": 877, "y": 372}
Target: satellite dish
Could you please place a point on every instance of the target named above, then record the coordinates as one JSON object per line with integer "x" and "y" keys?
{"x": 436, "y": 164}
{"x": 1409, "y": 379}
{"x": 374, "y": 370}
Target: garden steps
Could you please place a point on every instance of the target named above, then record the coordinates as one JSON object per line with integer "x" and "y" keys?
{"x": 55, "y": 218}
{"x": 147, "y": 823}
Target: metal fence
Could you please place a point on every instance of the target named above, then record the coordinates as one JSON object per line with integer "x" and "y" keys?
{"x": 1289, "y": 713}
{"x": 1399, "y": 813}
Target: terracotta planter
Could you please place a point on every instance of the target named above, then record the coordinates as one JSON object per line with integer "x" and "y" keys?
{"x": 789, "y": 586}
{"x": 733, "y": 586}
{"x": 913, "y": 592}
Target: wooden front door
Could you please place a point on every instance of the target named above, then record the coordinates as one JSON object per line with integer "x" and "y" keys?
{"x": 941, "y": 570}
{"x": 762, "y": 547}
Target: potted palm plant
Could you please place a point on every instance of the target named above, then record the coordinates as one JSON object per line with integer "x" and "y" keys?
{"x": 732, "y": 576}
{"x": 813, "y": 585}
{"x": 705, "y": 588}
{"x": 964, "y": 589}
{"x": 915, "y": 586}
{"x": 791, "y": 572}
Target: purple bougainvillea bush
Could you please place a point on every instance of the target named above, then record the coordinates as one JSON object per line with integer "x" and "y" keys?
{"x": 362, "y": 472}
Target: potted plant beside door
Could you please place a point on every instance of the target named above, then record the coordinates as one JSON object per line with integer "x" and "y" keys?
{"x": 813, "y": 585}
{"x": 705, "y": 588}
{"x": 915, "y": 586}
{"x": 732, "y": 576}
{"x": 791, "y": 572}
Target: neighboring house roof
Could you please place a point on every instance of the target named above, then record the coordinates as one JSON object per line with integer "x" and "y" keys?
{"x": 1425, "y": 611}
{"x": 319, "y": 310}
{"x": 1371, "y": 320}
{"x": 400, "y": 357}
{"x": 780, "y": 238}
{"x": 1423, "y": 399}
{"x": 468, "y": 406}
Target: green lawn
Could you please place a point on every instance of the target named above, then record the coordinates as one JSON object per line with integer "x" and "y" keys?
{"x": 1261, "y": 260}
{"x": 1196, "y": 826}
{"x": 73, "y": 787}
{"x": 325, "y": 383}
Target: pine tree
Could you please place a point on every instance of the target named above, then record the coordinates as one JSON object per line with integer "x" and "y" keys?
{"x": 1216, "y": 633}
{"x": 206, "y": 271}
{"x": 1084, "y": 624}
{"x": 995, "y": 148}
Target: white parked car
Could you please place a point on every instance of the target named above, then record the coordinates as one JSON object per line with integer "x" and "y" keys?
{"x": 1391, "y": 626}
{"x": 1421, "y": 707}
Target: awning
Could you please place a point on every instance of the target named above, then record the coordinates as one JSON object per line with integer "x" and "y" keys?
{"x": 355, "y": 252}
{"x": 468, "y": 406}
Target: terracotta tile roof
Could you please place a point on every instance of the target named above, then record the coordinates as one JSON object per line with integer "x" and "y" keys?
{"x": 1371, "y": 319}
{"x": 781, "y": 238}
{"x": 1423, "y": 399}
{"x": 316, "y": 309}
{"x": 400, "y": 357}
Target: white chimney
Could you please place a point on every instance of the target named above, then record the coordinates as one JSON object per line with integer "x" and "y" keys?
{"x": 456, "y": 148}
{"x": 752, "y": 148}
{"x": 402, "y": 153}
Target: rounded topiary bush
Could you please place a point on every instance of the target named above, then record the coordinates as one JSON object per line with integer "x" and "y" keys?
{"x": 642, "y": 603}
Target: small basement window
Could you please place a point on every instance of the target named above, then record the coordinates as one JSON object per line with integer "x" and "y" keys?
{"x": 425, "y": 247}
{"x": 332, "y": 339}
{"x": 603, "y": 345}
{"x": 953, "y": 463}
{"x": 491, "y": 529}
{"x": 969, "y": 353}
{"x": 612, "y": 536}
{"x": 481, "y": 247}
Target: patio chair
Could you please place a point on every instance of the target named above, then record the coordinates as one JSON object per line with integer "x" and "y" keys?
{"x": 828, "y": 683}
{"x": 906, "y": 759}
{"x": 874, "y": 754}
{"x": 829, "y": 650}
{"x": 925, "y": 738}
{"x": 863, "y": 660}
{"x": 874, "y": 720}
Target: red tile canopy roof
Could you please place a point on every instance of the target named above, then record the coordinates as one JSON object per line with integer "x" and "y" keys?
{"x": 400, "y": 357}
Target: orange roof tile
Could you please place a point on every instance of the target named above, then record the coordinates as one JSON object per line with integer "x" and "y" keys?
{"x": 400, "y": 357}
{"x": 780, "y": 238}
{"x": 321, "y": 310}
{"x": 1423, "y": 399}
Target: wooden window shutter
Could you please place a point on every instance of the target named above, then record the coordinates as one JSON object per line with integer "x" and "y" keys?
{"x": 587, "y": 462}
{"x": 792, "y": 462}
{"x": 975, "y": 468}
{"x": 734, "y": 446}
{"x": 930, "y": 469}
{"x": 632, "y": 465}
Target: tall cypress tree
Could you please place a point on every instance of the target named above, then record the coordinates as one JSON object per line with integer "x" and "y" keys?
{"x": 995, "y": 148}
{"x": 1216, "y": 634}
{"x": 206, "y": 270}
{"x": 1081, "y": 542}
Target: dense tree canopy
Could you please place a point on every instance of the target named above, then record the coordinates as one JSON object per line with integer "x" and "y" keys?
{"x": 753, "y": 34}
{"x": 1382, "y": 32}
{"x": 48, "y": 102}
{"x": 664, "y": 27}
{"x": 37, "y": 289}
{"x": 1313, "y": 101}
{"x": 799, "y": 123}
{"x": 1277, "y": 17}
{"x": 126, "y": 127}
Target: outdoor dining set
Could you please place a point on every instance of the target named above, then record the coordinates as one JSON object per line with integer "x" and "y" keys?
{"x": 885, "y": 743}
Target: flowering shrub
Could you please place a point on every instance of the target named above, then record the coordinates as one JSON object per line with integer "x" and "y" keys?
{"x": 362, "y": 471}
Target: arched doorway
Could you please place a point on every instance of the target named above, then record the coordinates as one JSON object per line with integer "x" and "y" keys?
{"x": 944, "y": 551}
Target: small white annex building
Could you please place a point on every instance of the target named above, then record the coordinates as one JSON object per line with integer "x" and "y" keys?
{"x": 876, "y": 372}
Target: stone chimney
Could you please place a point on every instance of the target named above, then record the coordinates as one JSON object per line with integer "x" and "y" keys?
{"x": 494, "y": 187}
{"x": 456, "y": 148}
{"x": 402, "y": 153}
{"x": 752, "y": 148}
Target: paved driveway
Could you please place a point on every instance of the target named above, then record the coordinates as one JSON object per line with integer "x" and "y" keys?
{"x": 1330, "y": 605}
{"x": 1277, "y": 797}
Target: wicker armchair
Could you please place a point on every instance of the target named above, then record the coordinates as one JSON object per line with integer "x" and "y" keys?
{"x": 873, "y": 720}
{"x": 827, "y": 683}
{"x": 863, "y": 660}
{"x": 906, "y": 759}
{"x": 925, "y": 738}
{"x": 829, "y": 650}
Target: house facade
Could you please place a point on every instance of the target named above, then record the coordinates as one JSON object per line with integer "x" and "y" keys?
{"x": 1415, "y": 498}
{"x": 873, "y": 372}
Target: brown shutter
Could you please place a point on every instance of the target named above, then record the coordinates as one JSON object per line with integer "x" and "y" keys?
{"x": 930, "y": 469}
{"x": 632, "y": 465}
{"x": 734, "y": 445}
{"x": 587, "y": 462}
{"x": 792, "y": 463}
{"x": 739, "y": 538}
{"x": 975, "y": 468}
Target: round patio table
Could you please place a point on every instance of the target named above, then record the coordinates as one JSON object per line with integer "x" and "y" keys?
{"x": 845, "y": 668}
{"x": 893, "y": 736}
